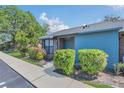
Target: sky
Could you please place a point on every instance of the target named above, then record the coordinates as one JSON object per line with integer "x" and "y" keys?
{"x": 63, "y": 17}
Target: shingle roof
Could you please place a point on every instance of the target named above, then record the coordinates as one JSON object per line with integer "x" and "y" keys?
{"x": 92, "y": 28}
{"x": 46, "y": 37}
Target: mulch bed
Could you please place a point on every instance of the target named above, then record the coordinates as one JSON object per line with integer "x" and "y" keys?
{"x": 103, "y": 78}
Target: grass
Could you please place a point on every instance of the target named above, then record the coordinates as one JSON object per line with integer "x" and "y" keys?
{"x": 30, "y": 61}
{"x": 97, "y": 85}
{"x": 17, "y": 54}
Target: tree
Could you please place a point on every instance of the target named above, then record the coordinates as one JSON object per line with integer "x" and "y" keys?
{"x": 10, "y": 15}
{"x": 23, "y": 41}
{"x": 13, "y": 20}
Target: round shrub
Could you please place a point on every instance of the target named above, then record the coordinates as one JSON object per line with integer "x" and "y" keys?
{"x": 92, "y": 61}
{"x": 64, "y": 60}
{"x": 36, "y": 53}
{"x": 39, "y": 56}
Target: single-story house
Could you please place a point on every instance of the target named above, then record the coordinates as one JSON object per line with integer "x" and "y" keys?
{"x": 106, "y": 35}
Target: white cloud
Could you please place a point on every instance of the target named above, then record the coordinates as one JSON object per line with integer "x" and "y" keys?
{"x": 44, "y": 16}
{"x": 55, "y": 24}
{"x": 98, "y": 20}
{"x": 117, "y": 7}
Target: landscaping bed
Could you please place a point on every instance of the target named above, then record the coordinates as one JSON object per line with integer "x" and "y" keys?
{"x": 17, "y": 54}
{"x": 91, "y": 63}
{"x": 110, "y": 79}
{"x": 103, "y": 80}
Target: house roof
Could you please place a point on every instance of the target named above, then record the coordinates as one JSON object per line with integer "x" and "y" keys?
{"x": 46, "y": 37}
{"x": 96, "y": 27}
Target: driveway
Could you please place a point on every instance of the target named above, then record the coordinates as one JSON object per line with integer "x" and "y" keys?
{"x": 10, "y": 79}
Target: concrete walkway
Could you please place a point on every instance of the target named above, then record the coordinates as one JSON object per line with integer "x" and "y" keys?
{"x": 41, "y": 77}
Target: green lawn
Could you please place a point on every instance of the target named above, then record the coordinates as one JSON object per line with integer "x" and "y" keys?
{"x": 97, "y": 85}
{"x": 14, "y": 53}
{"x": 17, "y": 54}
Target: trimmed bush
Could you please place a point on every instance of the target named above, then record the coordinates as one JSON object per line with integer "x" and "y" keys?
{"x": 64, "y": 60}
{"x": 92, "y": 61}
{"x": 36, "y": 53}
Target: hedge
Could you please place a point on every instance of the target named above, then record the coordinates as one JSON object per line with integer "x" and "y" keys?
{"x": 64, "y": 60}
{"x": 92, "y": 61}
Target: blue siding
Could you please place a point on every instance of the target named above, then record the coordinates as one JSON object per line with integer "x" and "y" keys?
{"x": 107, "y": 41}
{"x": 69, "y": 43}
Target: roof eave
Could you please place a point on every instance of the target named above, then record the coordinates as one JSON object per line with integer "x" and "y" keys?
{"x": 101, "y": 30}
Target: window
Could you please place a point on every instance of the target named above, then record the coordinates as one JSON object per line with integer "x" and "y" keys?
{"x": 46, "y": 42}
{"x": 48, "y": 45}
{"x": 51, "y": 42}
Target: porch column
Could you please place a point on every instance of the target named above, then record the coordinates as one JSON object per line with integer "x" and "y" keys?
{"x": 58, "y": 43}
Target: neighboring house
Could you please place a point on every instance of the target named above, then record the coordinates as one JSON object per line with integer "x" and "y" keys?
{"x": 107, "y": 36}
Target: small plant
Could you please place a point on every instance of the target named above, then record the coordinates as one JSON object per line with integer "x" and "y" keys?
{"x": 36, "y": 53}
{"x": 39, "y": 56}
{"x": 64, "y": 60}
{"x": 5, "y": 46}
{"x": 92, "y": 61}
{"x": 119, "y": 68}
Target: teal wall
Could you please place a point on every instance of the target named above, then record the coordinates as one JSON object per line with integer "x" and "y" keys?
{"x": 69, "y": 43}
{"x": 106, "y": 41}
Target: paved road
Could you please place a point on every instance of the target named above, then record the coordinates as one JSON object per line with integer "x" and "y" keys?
{"x": 10, "y": 79}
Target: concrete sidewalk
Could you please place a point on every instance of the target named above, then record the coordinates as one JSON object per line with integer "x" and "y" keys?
{"x": 41, "y": 77}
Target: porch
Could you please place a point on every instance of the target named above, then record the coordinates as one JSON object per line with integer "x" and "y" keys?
{"x": 64, "y": 42}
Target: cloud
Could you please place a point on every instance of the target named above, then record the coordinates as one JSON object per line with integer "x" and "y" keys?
{"x": 117, "y": 7}
{"x": 55, "y": 24}
{"x": 44, "y": 16}
{"x": 98, "y": 20}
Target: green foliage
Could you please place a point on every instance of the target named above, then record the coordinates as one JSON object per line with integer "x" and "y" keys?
{"x": 13, "y": 20}
{"x": 3, "y": 47}
{"x": 97, "y": 85}
{"x": 39, "y": 56}
{"x": 118, "y": 67}
{"x": 17, "y": 54}
{"x": 22, "y": 42}
{"x": 31, "y": 53}
{"x": 36, "y": 53}
{"x": 64, "y": 59}
{"x": 92, "y": 60}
